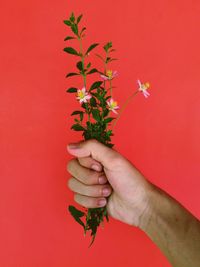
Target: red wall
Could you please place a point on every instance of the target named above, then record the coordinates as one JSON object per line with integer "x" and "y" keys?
{"x": 156, "y": 41}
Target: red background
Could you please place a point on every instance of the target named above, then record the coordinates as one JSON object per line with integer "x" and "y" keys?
{"x": 156, "y": 41}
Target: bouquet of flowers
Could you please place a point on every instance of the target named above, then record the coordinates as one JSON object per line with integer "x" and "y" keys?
{"x": 96, "y": 104}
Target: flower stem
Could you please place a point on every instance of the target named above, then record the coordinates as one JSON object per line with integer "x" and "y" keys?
{"x": 83, "y": 73}
{"x": 123, "y": 107}
{"x": 111, "y": 88}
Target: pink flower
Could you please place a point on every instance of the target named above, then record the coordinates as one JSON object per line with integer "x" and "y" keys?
{"x": 109, "y": 75}
{"x": 143, "y": 88}
{"x": 82, "y": 95}
{"x": 113, "y": 105}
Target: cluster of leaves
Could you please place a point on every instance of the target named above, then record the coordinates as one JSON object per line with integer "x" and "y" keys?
{"x": 98, "y": 109}
{"x": 93, "y": 120}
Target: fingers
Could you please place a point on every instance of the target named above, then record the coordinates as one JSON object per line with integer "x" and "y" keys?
{"x": 98, "y": 151}
{"x": 85, "y": 175}
{"x": 90, "y": 163}
{"x": 90, "y": 202}
{"x": 88, "y": 190}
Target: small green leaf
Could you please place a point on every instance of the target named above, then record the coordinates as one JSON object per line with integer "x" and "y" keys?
{"x": 107, "y": 46}
{"x": 84, "y": 105}
{"x": 69, "y": 38}
{"x": 71, "y": 50}
{"x": 105, "y": 112}
{"x": 77, "y": 127}
{"x": 92, "y": 71}
{"x": 67, "y": 22}
{"x": 72, "y": 17}
{"x": 109, "y": 132}
{"x": 82, "y": 30}
{"x": 96, "y": 114}
{"x": 111, "y": 59}
{"x": 88, "y": 65}
{"x": 108, "y": 120}
{"x": 91, "y": 48}
{"x": 96, "y": 85}
{"x": 76, "y": 112}
{"x": 79, "y": 65}
{"x": 79, "y": 18}
{"x": 74, "y": 28}
{"x": 72, "y": 90}
{"x": 81, "y": 116}
{"x": 93, "y": 102}
{"x": 71, "y": 74}
{"x": 110, "y": 145}
{"x": 77, "y": 214}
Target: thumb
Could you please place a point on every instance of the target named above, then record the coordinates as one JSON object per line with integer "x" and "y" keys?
{"x": 96, "y": 150}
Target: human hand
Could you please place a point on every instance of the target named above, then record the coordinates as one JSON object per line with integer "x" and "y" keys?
{"x": 114, "y": 177}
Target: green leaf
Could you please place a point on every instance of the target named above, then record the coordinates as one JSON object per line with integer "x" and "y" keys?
{"x": 95, "y": 85}
{"x": 71, "y": 74}
{"x": 108, "y": 120}
{"x": 88, "y": 65}
{"x": 72, "y": 17}
{"x": 82, "y": 30}
{"x": 110, "y": 59}
{"x": 93, "y": 102}
{"x": 74, "y": 28}
{"x": 109, "y": 132}
{"x": 79, "y": 18}
{"x": 71, "y": 50}
{"x": 84, "y": 105}
{"x": 92, "y": 71}
{"x": 77, "y": 214}
{"x": 76, "y": 112}
{"x": 105, "y": 112}
{"x": 110, "y": 145}
{"x": 72, "y": 90}
{"x": 81, "y": 116}
{"x": 69, "y": 38}
{"x": 67, "y": 22}
{"x": 107, "y": 46}
{"x": 96, "y": 114}
{"x": 79, "y": 65}
{"x": 77, "y": 127}
{"x": 91, "y": 48}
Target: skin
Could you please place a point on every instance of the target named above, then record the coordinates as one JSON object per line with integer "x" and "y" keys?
{"x": 101, "y": 176}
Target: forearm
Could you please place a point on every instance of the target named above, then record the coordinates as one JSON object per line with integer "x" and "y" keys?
{"x": 174, "y": 229}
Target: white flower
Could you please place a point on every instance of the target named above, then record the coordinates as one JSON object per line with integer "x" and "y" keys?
{"x": 82, "y": 95}
{"x": 143, "y": 88}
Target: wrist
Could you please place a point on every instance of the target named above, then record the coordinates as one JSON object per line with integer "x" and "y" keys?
{"x": 151, "y": 198}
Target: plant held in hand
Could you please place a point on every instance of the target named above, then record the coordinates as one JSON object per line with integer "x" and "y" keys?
{"x": 96, "y": 102}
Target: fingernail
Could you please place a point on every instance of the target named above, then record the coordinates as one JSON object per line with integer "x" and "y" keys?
{"x": 96, "y": 167}
{"x": 102, "y": 202}
{"x": 102, "y": 179}
{"x": 73, "y": 145}
{"x": 106, "y": 191}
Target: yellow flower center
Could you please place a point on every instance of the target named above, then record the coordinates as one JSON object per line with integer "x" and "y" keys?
{"x": 81, "y": 94}
{"x": 114, "y": 104}
{"x": 147, "y": 85}
{"x": 109, "y": 73}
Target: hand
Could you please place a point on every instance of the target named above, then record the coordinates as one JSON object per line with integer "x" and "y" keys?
{"x": 99, "y": 172}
